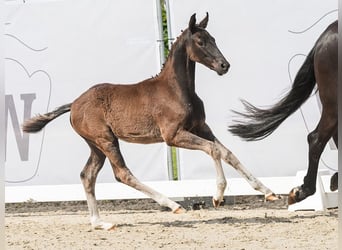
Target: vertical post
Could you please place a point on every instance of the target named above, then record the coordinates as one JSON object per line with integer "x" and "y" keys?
{"x": 2, "y": 126}
{"x": 172, "y": 152}
{"x": 160, "y": 30}
{"x": 162, "y": 61}
{"x": 169, "y": 32}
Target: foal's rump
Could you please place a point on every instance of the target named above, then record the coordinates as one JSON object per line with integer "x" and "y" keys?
{"x": 116, "y": 110}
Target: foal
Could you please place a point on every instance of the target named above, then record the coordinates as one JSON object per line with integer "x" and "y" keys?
{"x": 160, "y": 109}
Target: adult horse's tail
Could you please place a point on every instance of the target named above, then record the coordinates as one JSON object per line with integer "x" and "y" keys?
{"x": 260, "y": 123}
{"x": 37, "y": 123}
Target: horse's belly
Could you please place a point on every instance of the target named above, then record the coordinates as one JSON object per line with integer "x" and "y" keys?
{"x": 142, "y": 136}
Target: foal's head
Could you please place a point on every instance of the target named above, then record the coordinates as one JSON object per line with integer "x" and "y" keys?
{"x": 201, "y": 47}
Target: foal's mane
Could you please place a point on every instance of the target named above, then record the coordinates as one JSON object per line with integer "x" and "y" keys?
{"x": 171, "y": 51}
{"x": 175, "y": 45}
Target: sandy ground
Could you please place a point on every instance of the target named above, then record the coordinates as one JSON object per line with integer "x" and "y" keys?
{"x": 247, "y": 223}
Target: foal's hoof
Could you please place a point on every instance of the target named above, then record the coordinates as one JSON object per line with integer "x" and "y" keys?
{"x": 111, "y": 228}
{"x": 104, "y": 226}
{"x": 179, "y": 210}
{"x": 272, "y": 197}
{"x": 216, "y": 203}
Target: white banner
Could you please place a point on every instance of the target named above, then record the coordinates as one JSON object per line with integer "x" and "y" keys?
{"x": 266, "y": 42}
{"x": 55, "y": 50}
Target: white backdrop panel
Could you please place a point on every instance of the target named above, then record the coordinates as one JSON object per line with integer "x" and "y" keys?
{"x": 55, "y": 50}
{"x": 256, "y": 38}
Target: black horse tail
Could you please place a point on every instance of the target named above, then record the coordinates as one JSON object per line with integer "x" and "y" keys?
{"x": 37, "y": 123}
{"x": 260, "y": 123}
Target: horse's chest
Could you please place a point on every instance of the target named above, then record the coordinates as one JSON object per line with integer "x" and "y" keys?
{"x": 194, "y": 114}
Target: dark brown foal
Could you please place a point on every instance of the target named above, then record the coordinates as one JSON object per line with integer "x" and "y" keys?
{"x": 160, "y": 109}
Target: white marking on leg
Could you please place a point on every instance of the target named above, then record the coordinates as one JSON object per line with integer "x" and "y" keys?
{"x": 158, "y": 197}
{"x": 232, "y": 160}
{"x": 96, "y": 222}
{"x": 221, "y": 182}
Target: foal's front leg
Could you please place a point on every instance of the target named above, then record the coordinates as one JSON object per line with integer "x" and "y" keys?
{"x": 188, "y": 140}
{"x": 232, "y": 160}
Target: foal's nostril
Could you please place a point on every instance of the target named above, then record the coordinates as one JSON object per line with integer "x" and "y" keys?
{"x": 225, "y": 66}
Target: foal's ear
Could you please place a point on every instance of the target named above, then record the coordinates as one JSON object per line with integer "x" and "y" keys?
{"x": 203, "y": 24}
{"x": 192, "y": 23}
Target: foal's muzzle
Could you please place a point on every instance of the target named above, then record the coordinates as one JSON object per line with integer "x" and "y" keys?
{"x": 221, "y": 67}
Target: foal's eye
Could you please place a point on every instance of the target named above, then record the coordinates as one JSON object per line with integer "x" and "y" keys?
{"x": 200, "y": 43}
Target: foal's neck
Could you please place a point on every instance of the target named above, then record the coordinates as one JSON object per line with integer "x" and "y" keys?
{"x": 178, "y": 66}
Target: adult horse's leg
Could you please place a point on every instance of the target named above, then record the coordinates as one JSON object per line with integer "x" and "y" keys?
{"x": 334, "y": 182}
{"x": 335, "y": 138}
{"x": 227, "y": 156}
{"x": 317, "y": 140}
{"x": 88, "y": 177}
{"x": 325, "y": 62}
{"x": 334, "y": 178}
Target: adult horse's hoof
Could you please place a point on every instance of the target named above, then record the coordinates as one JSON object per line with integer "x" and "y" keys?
{"x": 298, "y": 194}
{"x": 334, "y": 182}
{"x": 179, "y": 210}
{"x": 294, "y": 196}
{"x": 292, "y": 199}
{"x": 272, "y": 197}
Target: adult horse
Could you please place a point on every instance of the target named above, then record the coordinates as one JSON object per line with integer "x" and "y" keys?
{"x": 319, "y": 67}
{"x": 163, "y": 108}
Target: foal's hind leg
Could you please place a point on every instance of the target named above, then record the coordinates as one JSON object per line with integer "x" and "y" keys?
{"x": 88, "y": 177}
{"x": 124, "y": 175}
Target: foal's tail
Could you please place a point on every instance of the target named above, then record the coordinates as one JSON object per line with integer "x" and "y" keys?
{"x": 35, "y": 124}
{"x": 260, "y": 123}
